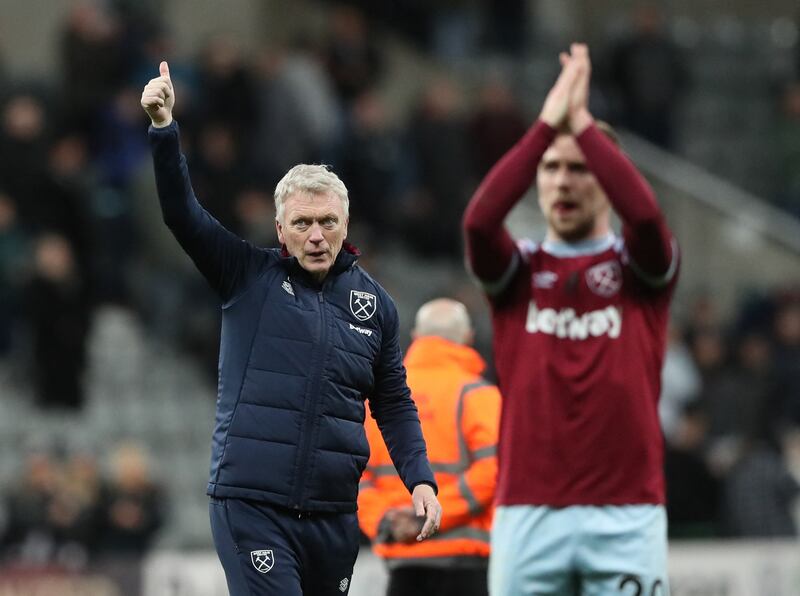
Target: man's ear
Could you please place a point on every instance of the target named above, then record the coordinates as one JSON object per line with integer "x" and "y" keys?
{"x": 279, "y": 230}
{"x": 346, "y": 223}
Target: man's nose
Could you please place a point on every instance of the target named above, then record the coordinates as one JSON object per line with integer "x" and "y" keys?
{"x": 316, "y": 234}
{"x": 563, "y": 177}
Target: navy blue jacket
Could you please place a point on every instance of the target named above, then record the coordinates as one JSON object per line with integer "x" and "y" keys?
{"x": 297, "y": 360}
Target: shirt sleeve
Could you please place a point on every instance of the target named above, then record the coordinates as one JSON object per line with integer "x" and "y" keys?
{"x": 491, "y": 253}
{"x": 394, "y": 410}
{"x": 651, "y": 247}
{"x": 225, "y": 260}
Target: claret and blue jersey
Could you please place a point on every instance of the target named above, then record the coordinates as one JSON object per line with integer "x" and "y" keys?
{"x": 581, "y": 337}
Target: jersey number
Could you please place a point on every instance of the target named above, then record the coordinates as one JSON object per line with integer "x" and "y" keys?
{"x": 657, "y": 588}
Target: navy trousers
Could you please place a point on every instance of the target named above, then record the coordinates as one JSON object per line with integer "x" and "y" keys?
{"x": 269, "y": 551}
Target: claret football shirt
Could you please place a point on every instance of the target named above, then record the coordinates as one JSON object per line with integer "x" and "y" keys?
{"x": 579, "y": 335}
{"x": 579, "y": 343}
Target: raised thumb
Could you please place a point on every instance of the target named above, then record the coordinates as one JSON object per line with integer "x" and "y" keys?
{"x": 164, "y": 69}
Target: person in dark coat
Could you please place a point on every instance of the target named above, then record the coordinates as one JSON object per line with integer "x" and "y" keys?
{"x": 307, "y": 336}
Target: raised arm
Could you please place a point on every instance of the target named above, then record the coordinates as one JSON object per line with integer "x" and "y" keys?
{"x": 491, "y": 253}
{"x": 226, "y": 261}
{"x": 649, "y": 242}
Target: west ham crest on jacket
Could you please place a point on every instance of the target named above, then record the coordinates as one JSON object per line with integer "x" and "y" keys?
{"x": 262, "y": 560}
{"x": 362, "y": 304}
{"x": 605, "y": 279}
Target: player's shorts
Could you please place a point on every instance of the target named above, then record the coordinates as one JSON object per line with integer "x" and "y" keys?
{"x": 579, "y": 551}
{"x": 269, "y": 551}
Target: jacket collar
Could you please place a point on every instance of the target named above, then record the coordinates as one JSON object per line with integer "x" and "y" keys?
{"x": 436, "y": 351}
{"x": 346, "y": 258}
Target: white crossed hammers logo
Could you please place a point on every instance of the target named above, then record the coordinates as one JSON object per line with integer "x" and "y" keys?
{"x": 362, "y": 304}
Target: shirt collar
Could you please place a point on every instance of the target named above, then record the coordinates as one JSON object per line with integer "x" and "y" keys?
{"x": 593, "y": 246}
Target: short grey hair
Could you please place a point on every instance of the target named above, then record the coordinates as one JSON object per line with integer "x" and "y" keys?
{"x": 312, "y": 179}
{"x": 444, "y": 318}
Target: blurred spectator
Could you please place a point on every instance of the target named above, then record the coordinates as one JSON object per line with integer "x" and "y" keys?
{"x": 255, "y": 216}
{"x": 736, "y": 400}
{"x": 680, "y": 383}
{"x": 759, "y": 492}
{"x": 140, "y": 23}
{"x": 787, "y": 146}
{"x": 352, "y": 55}
{"x": 58, "y": 314}
{"x": 219, "y": 172}
{"x": 693, "y": 492}
{"x": 94, "y": 61}
{"x": 118, "y": 150}
{"x": 118, "y": 146}
{"x": 506, "y": 25}
{"x": 286, "y": 132}
{"x": 711, "y": 357}
{"x": 63, "y": 204}
{"x": 13, "y": 255}
{"x": 306, "y": 74}
{"x": 787, "y": 360}
{"x": 132, "y": 505}
{"x": 30, "y": 536}
{"x": 413, "y": 19}
{"x": 648, "y": 73}
{"x": 159, "y": 43}
{"x": 73, "y": 510}
{"x": 496, "y": 125}
{"x": 455, "y": 29}
{"x": 372, "y": 162}
{"x": 438, "y": 143}
{"x": 23, "y": 145}
{"x": 226, "y": 91}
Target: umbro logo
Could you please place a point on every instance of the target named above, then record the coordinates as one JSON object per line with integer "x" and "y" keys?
{"x": 288, "y": 287}
{"x": 544, "y": 279}
{"x": 343, "y": 584}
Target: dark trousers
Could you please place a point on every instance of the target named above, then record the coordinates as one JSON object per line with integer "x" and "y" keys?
{"x": 269, "y": 551}
{"x": 432, "y": 581}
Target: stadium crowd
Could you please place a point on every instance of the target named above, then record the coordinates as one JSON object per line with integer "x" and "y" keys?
{"x": 64, "y": 511}
{"x": 79, "y": 227}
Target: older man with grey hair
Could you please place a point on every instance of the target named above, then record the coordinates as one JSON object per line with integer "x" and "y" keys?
{"x": 307, "y": 336}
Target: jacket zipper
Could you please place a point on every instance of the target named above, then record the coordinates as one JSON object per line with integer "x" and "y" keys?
{"x": 311, "y": 407}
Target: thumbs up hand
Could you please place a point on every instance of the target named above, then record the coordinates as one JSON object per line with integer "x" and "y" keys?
{"x": 158, "y": 98}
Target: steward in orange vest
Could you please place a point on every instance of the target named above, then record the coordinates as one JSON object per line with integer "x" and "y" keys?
{"x": 460, "y": 413}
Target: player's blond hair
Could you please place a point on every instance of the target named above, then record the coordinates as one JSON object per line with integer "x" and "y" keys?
{"x": 312, "y": 179}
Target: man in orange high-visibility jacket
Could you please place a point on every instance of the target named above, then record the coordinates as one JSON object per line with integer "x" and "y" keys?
{"x": 460, "y": 413}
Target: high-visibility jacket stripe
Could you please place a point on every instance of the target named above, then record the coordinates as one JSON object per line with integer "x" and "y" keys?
{"x": 465, "y": 456}
{"x": 463, "y": 449}
{"x": 462, "y": 532}
{"x": 484, "y": 452}
{"x": 474, "y": 506}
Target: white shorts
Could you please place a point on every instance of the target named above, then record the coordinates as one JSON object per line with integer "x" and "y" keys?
{"x": 579, "y": 551}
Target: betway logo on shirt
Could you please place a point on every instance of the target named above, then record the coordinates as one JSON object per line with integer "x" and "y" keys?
{"x": 565, "y": 323}
{"x": 361, "y": 330}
